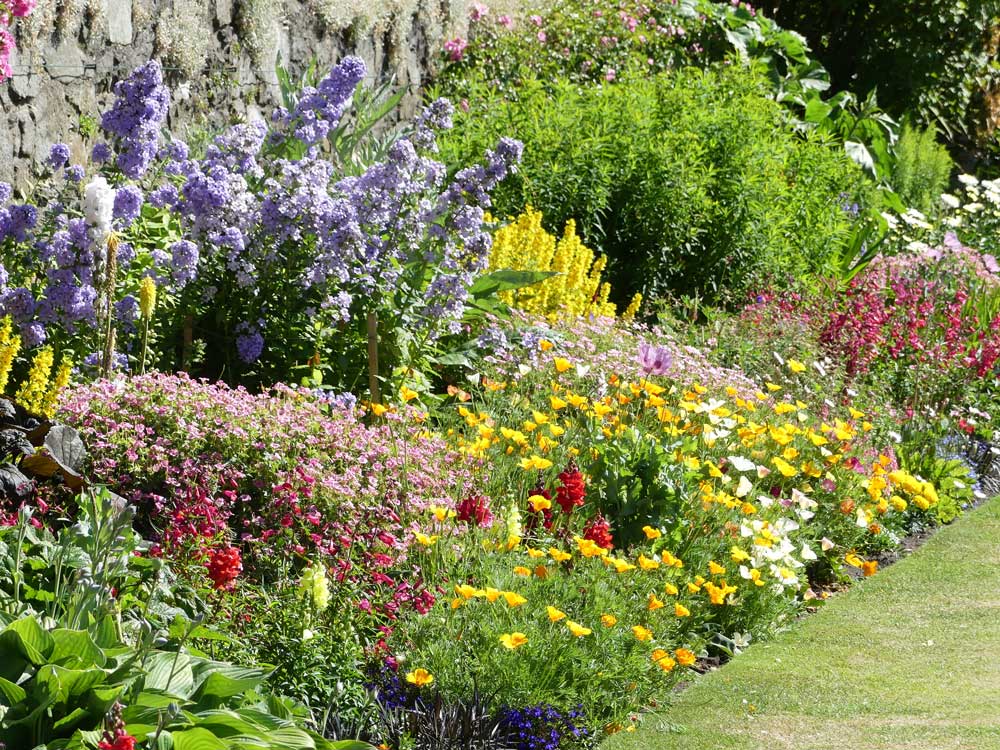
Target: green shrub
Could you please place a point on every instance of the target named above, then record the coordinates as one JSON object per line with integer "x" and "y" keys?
{"x": 922, "y": 169}
{"x": 691, "y": 182}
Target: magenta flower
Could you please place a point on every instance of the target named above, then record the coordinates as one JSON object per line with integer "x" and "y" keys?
{"x": 478, "y": 11}
{"x": 505, "y": 21}
{"x": 455, "y": 48}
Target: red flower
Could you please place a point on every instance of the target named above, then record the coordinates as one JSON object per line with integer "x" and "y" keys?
{"x": 475, "y": 510}
{"x": 121, "y": 742}
{"x": 572, "y": 492}
{"x": 224, "y": 567}
{"x": 598, "y": 530}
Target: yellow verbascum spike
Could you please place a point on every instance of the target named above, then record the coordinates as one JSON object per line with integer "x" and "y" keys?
{"x": 576, "y": 290}
{"x": 59, "y": 383}
{"x": 10, "y": 345}
{"x": 31, "y": 394}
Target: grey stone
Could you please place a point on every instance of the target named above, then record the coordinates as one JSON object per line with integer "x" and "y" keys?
{"x": 120, "y": 21}
{"x": 64, "y": 62}
{"x": 26, "y": 81}
{"x": 76, "y": 76}
{"x": 224, "y": 12}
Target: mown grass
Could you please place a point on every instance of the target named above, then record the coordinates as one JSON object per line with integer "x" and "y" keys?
{"x": 906, "y": 660}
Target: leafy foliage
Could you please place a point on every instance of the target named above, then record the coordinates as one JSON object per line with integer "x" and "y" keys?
{"x": 690, "y": 182}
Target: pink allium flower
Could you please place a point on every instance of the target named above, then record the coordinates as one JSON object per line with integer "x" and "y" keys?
{"x": 22, "y": 8}
{"x": 537, "y": 20}
{"x": 6, "y": 47}
{"x": 455, "y": 48}
{"x": 478, "y": 11}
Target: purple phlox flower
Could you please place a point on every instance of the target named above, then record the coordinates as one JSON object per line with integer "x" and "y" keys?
{"x": 320, "y": 109}
{"x": 128, "y": 204}
{"x": 249, "y": 343}
{"x": 135, "y": 118}
{"x": 184, "y": 261}
{"x": 58, "y": 155}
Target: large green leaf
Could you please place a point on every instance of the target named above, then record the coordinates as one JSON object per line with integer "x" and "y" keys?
{"x": 27, "y": 639}
{"x": 224, "y": 681}
{"x": 505, "y": 280}
{"x": 63, "y": 684}
{"x": 197, "y": 739}
{"x": 75, "y": 648}
{"x": 11, "y": 693}
{"x": 169, "y": 673}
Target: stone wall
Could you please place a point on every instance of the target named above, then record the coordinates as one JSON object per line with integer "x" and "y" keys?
{"x": 219, "y": 57}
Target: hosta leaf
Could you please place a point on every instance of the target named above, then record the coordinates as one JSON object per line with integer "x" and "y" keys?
{"x": 197, "y": 739}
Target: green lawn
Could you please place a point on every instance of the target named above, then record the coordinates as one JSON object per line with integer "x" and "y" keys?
{"x": 907, "y": 660}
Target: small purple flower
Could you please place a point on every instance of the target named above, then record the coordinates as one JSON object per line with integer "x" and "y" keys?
{"x": 184, "y": 261}
{"x": 100, "y": 153}
{"x": 249, "y": 344}
{"x": 32, "y": 335}
{"x": 655, "y": 360}
{"x": 58, "y": 155}
{"x": 128, "y": 204}
{"x": 74, "y": 173}
{"x": 5, "y": 192}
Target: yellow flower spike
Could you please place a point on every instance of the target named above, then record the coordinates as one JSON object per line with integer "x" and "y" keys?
{"x": 641, "y": 633}
{"x": 681, "y": 611}
{"x": 513, "y": 640}
{"x": 419, "y": 677}
{"x": 59, "y": 383}
{"x": 652, "y": 533}
{"x": 609, "y": 621}
{"x": 31, "y": 394}
{"x": 554, "y": 614}
{"x": 577, "y": 629}
{"x": 513, "y": 599}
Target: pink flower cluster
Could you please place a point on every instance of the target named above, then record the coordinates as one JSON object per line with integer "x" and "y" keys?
{"x": 9, "y": 10}
{"x": 210, "y": 467}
